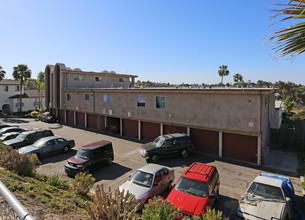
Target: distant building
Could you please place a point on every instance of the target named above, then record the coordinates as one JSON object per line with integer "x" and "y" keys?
{"x": 8, "y": 88}
{"x": 227, "y": 122}
{"x": 279, "y": 109}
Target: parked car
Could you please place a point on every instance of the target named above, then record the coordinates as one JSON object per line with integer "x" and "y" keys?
{"x": 269, "y": 197}
{"x": 149, "y": 181}
{"x": 9, "y": 136}
{"x": 28, "y": 137}
{"x": 47, "y": 146}
{"x": 11, "y": 129}
{"x": 167, "y": 145}
{"x": 196, "y": 190}
{"x": 5, "y": 126}
{"x": 47, "y": 117}
{"x": 90, "y": 157}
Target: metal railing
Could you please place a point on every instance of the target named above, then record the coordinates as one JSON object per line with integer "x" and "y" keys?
{"x": 10, "y": 207}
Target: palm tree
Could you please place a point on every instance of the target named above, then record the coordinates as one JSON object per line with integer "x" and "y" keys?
{"x": 289, "y": 40}
{"x": 223, "y": 71}
{"x": 238, "y": 78}
{"x": 21, "y": 73}
{"x": 37, "y": 83}
{"x": 2, "y": 73}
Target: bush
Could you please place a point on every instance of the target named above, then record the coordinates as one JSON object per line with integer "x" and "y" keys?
{"x": 22, "y": 164}
{"x": 82, "y": 183}
{"x": 301, "y": 114}
{"x": 34, "y": 114}
{"x": 55, "y": 180}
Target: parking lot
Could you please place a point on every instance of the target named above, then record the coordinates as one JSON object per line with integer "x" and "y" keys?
{"x": 235, "y": 177}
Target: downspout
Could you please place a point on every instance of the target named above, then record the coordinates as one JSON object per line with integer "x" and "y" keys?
{"x": 259, "y": 141}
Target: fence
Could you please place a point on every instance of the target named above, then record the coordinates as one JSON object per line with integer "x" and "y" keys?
{"x": 287, "y": 139}
{"x": 10, "y": 207}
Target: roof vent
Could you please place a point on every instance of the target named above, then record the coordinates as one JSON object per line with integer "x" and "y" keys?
{"x": 105, "y": 71}
{"x": 68, "y": 68}
{"x": 112, "y": 72}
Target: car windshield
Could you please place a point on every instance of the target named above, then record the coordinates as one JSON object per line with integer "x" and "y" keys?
{"x": 83, "y": 154}
{"x": 158, "y": 141}
{"x": 21, "y": 136}
{"x": 39, "y": 144}
{"x": 142, "y": 178}
{"x": 193, "y": 187}
{"x": 266, "y": 191}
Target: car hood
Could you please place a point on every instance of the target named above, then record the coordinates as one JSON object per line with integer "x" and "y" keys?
{"x": 147, "y": 146}
{"x": 12, "y": 142}
{"x": 187, "y": 203}
{"x": 137, "y": 190}
{"x": 257, "y": 207}
{"x": 76, "y": 160}
{"x": 28, "y": 150}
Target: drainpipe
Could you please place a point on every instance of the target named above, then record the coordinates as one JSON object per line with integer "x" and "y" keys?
{"x": 259, "y": 141}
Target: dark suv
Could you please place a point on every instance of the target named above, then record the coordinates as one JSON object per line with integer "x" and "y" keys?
{"x": 90, "y": 157}
{"x": 28, "y": 137}
{"x": 167, "y": 145}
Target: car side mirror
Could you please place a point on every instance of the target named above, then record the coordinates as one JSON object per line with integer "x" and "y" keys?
{"x": 212, "y": 195}
{"x": 156, "y": 184}
{"x": 288, "y": 199}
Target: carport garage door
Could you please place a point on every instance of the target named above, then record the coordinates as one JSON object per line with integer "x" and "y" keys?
{"x": 80, "y": 119}
{"x": 169, "y": 129}
{"x": 240, "y": 147}
{"x": 205, "y": 141}
{"x": 92, "y": 121}
{"x": 70, "y": 117}
{"x": 149, "y": 131}
{"x": 130, "y": 128}
{"x": 61, "y": 115}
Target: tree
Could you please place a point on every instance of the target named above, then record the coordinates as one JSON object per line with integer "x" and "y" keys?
{"x": 289, "y": 40}
{"x": 2, "y": 73}
{"x": 37, "y": 83}
{"x": 288, "y": 105}
{"x": 238, "y": 78}
{"x": 223, "y": 71}
{"x": 21, "y": 73}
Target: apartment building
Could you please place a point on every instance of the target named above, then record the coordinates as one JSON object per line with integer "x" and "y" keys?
{"x": 232, "y": 123}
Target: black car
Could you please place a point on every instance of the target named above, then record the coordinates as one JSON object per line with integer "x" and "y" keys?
{"x": 167, "y": 145}
{"x": 5, "y": 126}
{"x": 90, "y": 157}
{"x": 9, "y": 136}
{"x": 28, "y": 138}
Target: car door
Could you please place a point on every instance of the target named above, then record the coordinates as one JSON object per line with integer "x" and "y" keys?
{"x": 60, "y": 143}
{"x": 157, "y": 186}
{"x": 95, "y": 160}
{"x": 48, "y": 148}
{"x": 168, "y": 148}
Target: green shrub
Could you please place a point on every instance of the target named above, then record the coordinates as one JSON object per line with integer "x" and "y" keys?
{"x": 34, "y": 114}
{"x": 212, "y": 215}
{"x": 301, "y": 114}
{"x": 82, "y": 183}
{"x": 303, "y": 185}
{"x": 55, "y": 180}
{"x": 22, "y": 164}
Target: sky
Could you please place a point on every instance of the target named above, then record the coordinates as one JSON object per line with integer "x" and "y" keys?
{"x": 175, "y": 41}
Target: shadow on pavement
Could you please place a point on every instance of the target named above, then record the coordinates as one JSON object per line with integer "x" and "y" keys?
{"x": 14, "y": 120}
{"x": 110, "y": 172}
{"x": 227, "y": 205}
{"x": 58, "y": 157}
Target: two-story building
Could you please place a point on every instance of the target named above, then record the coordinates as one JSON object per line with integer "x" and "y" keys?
{"x": 227, "y": 122}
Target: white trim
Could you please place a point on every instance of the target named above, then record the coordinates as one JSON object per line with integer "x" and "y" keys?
{"x": 220, "y": 143}
{"x": 259, "y": 150}
{"x": 139, "y": 130}
{"x": 86, "y": 125}
{"x": 74, "y": 118}
{"x": 188, "y": 131}
{"x": 121, "y": 126}
{"x": 161, "y": 129}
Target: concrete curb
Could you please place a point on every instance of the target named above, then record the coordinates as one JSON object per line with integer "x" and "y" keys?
{"x": 303, "y": 191}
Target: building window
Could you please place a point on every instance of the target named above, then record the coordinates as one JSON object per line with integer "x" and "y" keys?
{"x": 17, "y": 88}
{"x": 108, "y": 98}
{"x": 160, "y": 102}
{"x": 5, "y": 88}
{"x": 78, "y": 78}
{"x": 122, "y": 80}
{"x": 68, "y": 97}
{"x": 141, "y": 101}
{"x": 98, "y": 78}
{"x": 89, "y": 97}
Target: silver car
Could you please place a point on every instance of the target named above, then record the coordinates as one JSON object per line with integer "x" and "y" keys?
{"x": 149, "y": 181}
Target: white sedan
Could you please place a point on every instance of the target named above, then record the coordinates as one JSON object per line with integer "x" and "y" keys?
{"x": 149, "y": 181}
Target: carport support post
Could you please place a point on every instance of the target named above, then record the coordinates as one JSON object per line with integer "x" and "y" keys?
{"x": 161, "y": 129}
{"x": 220, "y": 143}
{"x": 105, "y": 122}
{"x": 65, "y": 116}
{"x": 86, "y": 125}
{"x": 121, "y": 126}
{"x": 74, "y": 118}
{"x": 139, "y": 130}
{"x": 188, "y": 131}
{"x": 259, "y": 150}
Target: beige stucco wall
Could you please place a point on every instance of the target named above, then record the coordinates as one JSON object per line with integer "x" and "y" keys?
{"x": 239, "y": 112}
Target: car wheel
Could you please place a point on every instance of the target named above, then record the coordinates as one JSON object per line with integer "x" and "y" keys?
{"x": 66, "y": 149}
{"x": 109, "y": 161}
{"x": 217, "y": 195}
{"x": 154, "y": 158}
{"x": 170, "y": 185}
{"x": 184, "y": 153}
